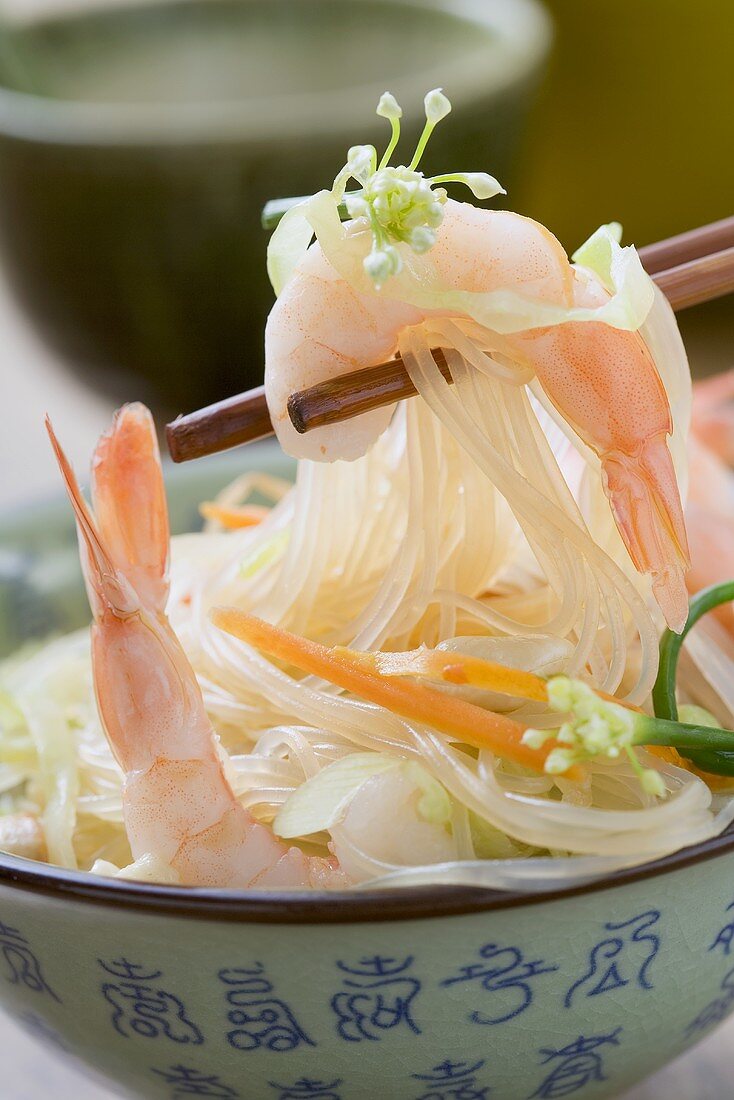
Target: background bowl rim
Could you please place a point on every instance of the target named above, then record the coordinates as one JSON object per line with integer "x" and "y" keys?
{"x": 323, "y": 907}
{"x": 278, "y": 119}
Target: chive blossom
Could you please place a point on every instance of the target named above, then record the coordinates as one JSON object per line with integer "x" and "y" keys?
{"x": 597, "y": 727}
{"x": 594, "y": 727}
{"x": 400, "y": 204}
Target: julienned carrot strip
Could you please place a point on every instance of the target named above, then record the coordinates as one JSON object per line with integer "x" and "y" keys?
{"x": 458, "y": 668}
{"x": 468, "y": 723}
{"x": 233, "y": 517}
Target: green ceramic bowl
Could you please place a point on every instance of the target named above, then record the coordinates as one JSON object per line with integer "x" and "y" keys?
{"x": 140, "y": 140}
{"x": 420, "y": 994}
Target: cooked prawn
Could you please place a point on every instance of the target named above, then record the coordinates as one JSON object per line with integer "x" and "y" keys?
{"x": 712, "y": 419}
{"x": 178, "y": 804}
{"x": 330, "y": 319}
{"x": 710, "y": 505}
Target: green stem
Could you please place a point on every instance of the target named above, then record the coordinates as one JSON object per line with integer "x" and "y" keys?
{"x": 710, "y": 757}
{"x": 421, "y": 146}
{"x": 717, "y": 763}
{"x": 449, "y": 177}
{"x": 663, "y": 693}
{"x": 680, "y": 735}
{"x": 394, "y": 139}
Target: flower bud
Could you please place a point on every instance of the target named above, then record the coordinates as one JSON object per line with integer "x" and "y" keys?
{"x": 356, "y": 206}
{"x": 422, "y": 239}
{"x": 559, "y": 761}
{"x": 360, "y": 159}
{"x": 381, "y": 263}
{"x": 388, "y": 107}
{"x": 561, "y": 693}
{"x": 482, "y": 185}
{"x": 535, "y": 739}
{"x": 437, "y": 106}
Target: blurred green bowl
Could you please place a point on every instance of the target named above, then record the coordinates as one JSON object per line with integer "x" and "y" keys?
{"x": 139, "y": 143}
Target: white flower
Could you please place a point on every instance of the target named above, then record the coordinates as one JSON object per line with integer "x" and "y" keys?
{"x": 381, "y": 263}
{"x": 597, "y": 726}
{"x": 400, "y": 203}
{"x": 361, "y": 161}
{"x": 437, "y": 106}
{"x": 482, "y": 185}
{"x": 356, "y": 205}
{"x": 559, "y": 761}
{"x": 388, "y": 107}
{"x": 594, "y": 727}
{"x": 422, "y": 239}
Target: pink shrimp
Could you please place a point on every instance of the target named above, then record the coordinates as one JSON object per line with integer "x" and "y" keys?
{"x": 602, "y": 380}
{"x": 710, "y": 506}
{"x": 178, "y": 804}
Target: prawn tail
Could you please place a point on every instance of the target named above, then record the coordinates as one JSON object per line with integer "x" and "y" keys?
{"x": 130, "y": 503}
{"x": 643, "y": 493}
{"x": 97, "y": 565}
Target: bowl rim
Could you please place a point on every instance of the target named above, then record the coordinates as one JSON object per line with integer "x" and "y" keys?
{"x": 525, "y": 23}
{"x": 332, "y": 907}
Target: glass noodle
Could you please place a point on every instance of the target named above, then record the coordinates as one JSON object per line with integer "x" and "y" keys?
{"x": 475, "y": 517}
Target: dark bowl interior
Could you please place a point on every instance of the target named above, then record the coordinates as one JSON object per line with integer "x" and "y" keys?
{"x": 138, "y": 145}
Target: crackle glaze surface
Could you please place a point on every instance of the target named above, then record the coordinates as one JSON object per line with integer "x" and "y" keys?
{"x": 576, "y": 996}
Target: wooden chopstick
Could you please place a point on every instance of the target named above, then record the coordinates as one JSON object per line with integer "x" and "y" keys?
{"x": 243, "y": 418}
{"x": 701, "y": 268}
{"x": 700, "y": 280}
{"x": 685, "y": 247}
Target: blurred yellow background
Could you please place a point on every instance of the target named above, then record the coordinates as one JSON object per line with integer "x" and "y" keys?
{"x": 635, "y": 120}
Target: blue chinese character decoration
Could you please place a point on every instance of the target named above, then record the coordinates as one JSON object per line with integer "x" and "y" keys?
{"x": 261, "y": 1020}
{"x": 307, "y": 1089}
{"x": 620, "y": 959}
{"x": 184, "y": 1081}
{"x": 725, "y": 936}
{"x": 377, "y": 997}
{"x": 574, "y": 1066}
{"x": 508, "y": 975}
{"x": 21, "y": 965}
{"x": 716, "y": 1010}
{"x": 142, "y": 1009}
{"x": 453, "y": 1081}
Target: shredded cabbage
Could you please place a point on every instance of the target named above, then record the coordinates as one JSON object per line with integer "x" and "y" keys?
{"x": 322, "y": 801}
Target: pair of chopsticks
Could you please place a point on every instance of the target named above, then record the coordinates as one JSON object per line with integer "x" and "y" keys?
{"x": 690, "y": 268}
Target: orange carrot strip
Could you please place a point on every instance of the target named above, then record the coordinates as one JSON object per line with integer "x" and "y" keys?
{"x": 468, "y": 723}
{"x": 459, "y": 668}
{"x": 233, "y": 517}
